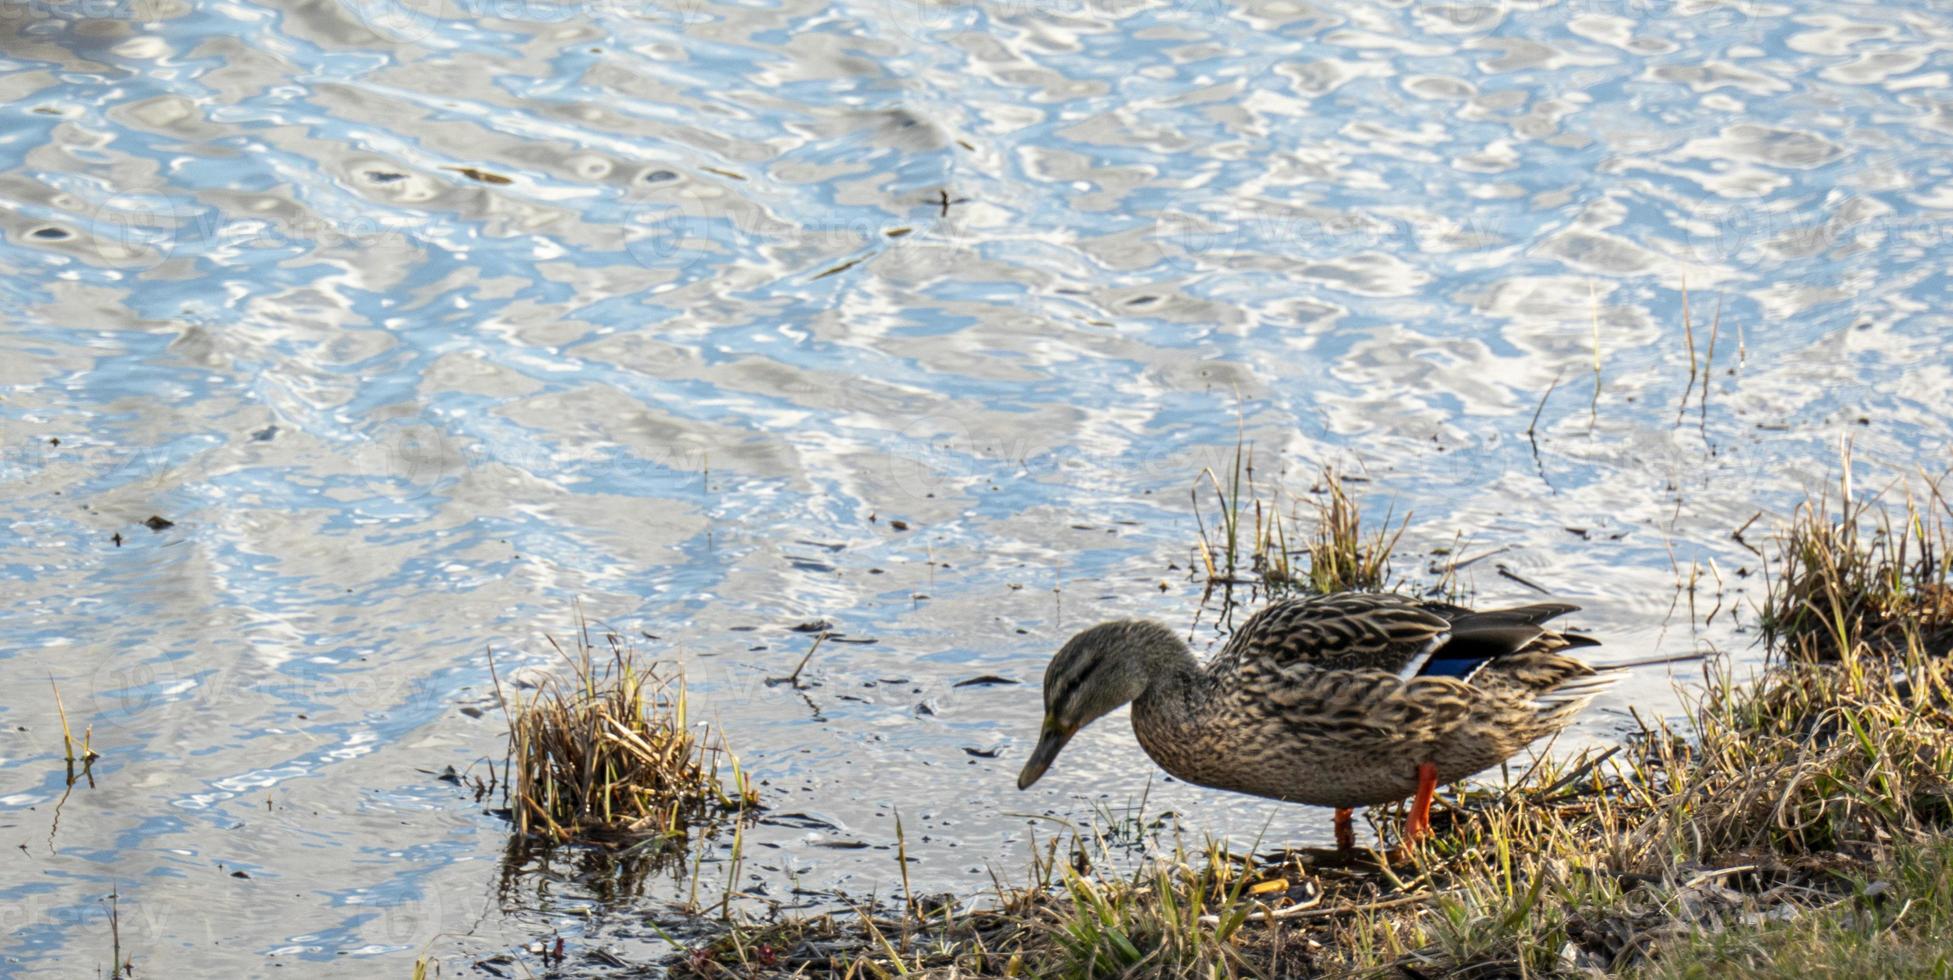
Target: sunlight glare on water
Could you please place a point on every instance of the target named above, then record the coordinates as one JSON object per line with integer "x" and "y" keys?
{"x": 420, "y": 320}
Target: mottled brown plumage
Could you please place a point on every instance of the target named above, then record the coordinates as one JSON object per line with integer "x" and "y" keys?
{"x": 1340, "y": 700}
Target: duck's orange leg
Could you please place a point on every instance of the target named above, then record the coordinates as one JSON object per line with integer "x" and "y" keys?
{"x": 1419, "y": 823}
{"x": 1345, "y": 834}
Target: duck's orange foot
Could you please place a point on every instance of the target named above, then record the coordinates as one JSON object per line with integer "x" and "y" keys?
{"x": 1345, "y": 832}
{"x": 1419, "y": 822}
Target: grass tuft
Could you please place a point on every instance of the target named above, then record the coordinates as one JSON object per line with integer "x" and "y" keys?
{"x": 1249, "y": 539}
{"x": 1892, "y": 923}
{"x": 1857, "y": 576}
{"x": 1342, "y": 557}
{"x": 605, "y": 754}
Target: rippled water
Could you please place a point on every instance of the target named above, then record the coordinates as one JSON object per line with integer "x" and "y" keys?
{"x": 421, "y": 320}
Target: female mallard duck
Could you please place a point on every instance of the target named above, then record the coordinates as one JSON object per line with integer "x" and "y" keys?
{"x": 1342, "y": 700}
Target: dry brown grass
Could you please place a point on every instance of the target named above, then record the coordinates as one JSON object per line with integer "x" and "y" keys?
{"x": 1342, "y": 557}
{"x": 1249, "y": 540}
{"x": 606, "y": 754}
{"x": 1859, "y": 575}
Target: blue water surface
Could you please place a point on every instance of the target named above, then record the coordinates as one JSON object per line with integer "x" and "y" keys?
{"x": 421, "y": 321}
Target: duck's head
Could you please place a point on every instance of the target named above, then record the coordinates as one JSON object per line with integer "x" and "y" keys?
{"x": 1094, "y": 673}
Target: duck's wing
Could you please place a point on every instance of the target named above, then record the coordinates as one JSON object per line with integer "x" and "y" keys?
{"x": 1342, "y": 631}
{"x": 1505, "y": 638}
{"x": 1370, "y": 672}
{"x": 1398, "y": 634}
{"x": 1374, "y": 710}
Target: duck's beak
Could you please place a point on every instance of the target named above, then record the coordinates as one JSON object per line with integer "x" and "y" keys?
{"x": 1053, "y": 739}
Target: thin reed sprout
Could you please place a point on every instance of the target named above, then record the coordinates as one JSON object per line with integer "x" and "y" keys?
{"x": 1248, "y": 540}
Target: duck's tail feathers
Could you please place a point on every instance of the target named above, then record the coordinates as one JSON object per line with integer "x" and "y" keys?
{"x": 1559, "y": 703}
{"x": 1654, "y": 661}
{"x": 1532, "y": 615}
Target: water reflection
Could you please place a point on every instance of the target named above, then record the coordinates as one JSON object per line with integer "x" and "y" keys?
{"x": 417, "y": 319}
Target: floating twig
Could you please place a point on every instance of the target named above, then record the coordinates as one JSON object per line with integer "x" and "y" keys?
{"x": 1738, "y": 534}
{"x": 794, "y": 678}
{"x": 1528, "y": 583}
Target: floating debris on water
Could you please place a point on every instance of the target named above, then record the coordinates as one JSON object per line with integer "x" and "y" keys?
{"x": 843, "y": 267}
{"x": 483, "y": 176}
